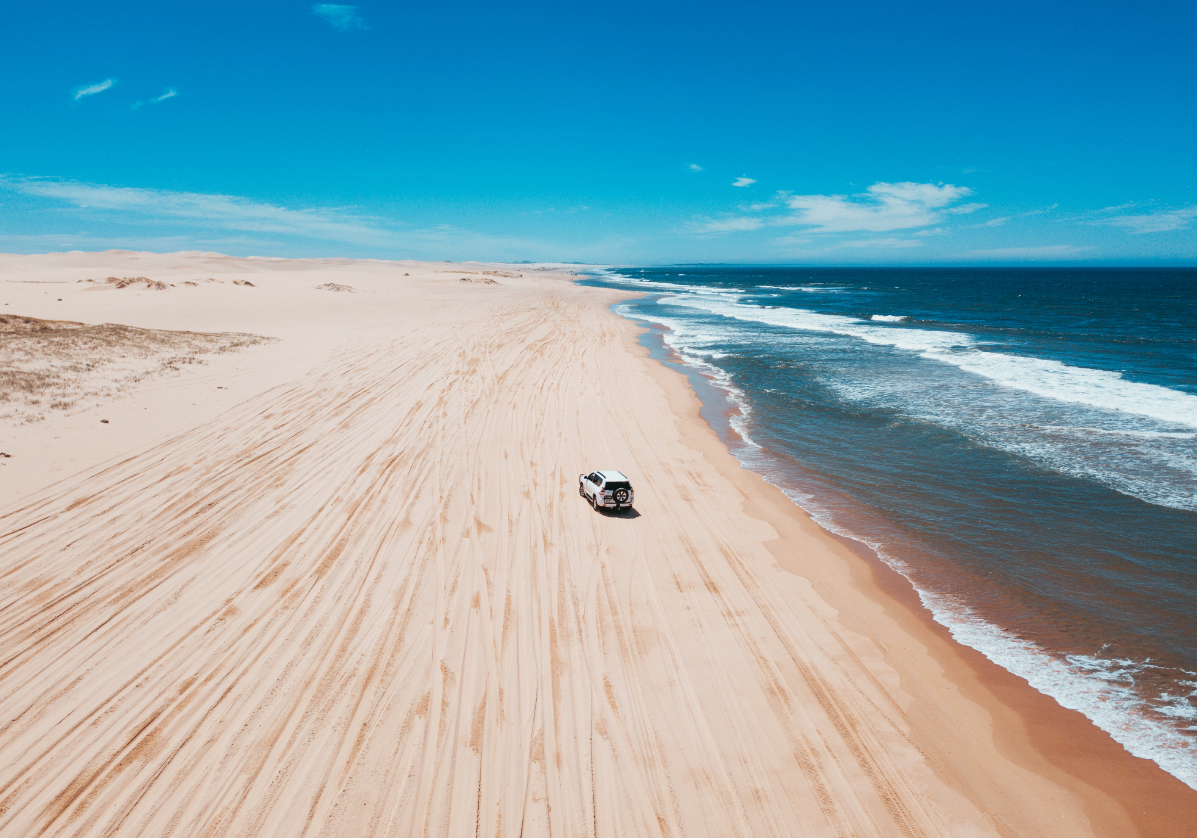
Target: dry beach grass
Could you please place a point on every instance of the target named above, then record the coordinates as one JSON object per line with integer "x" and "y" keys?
{"x": 48, "y": 365}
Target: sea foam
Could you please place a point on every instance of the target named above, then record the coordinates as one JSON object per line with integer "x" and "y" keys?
{"x": 1102, "y": 389}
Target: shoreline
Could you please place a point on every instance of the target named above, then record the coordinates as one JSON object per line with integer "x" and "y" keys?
{"x": 1017, "y": 530}
{"x": 1119, "y": 790}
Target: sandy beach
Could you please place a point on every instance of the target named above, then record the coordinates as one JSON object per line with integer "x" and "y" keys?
{"x": 304, "y": 554}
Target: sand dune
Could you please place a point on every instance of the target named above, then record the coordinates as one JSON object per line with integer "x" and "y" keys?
{"x": 369, "y": 601}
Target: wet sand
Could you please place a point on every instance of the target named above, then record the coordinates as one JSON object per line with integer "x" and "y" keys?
{"x": 353, "y": 591}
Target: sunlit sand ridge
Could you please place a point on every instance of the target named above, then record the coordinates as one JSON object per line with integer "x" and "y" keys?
{"x": 369, "y": 601}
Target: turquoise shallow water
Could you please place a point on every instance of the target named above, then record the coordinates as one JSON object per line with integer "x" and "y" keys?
{"x": 1020, "y": 443}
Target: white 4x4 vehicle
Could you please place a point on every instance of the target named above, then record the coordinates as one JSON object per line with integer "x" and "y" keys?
{"x": 608, "y": 489}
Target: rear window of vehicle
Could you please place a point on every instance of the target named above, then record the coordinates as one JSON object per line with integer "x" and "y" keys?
{"x": 617, "y": 484}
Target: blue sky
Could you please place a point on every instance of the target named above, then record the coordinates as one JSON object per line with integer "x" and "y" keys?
{"x": 849, "y": 133}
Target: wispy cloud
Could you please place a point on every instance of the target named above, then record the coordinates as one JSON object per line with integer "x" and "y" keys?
{"x": 886, "y": 242}
{"x": 777, "y": 200}
{"x": 729, "y": 225}
{"x": 743, "y": 181}
{"x": 93, "y": 89}
{"x": 1046, "y": 252}
{"x": 227, "y": 212}
{"x": 340, "y": 18}
{"x": 998, "y": 222}
{"x": 118, "y": 216}
{"x": 1161, "y": 221}
{"x": 694, "y": 167}
{"x": 169, "y": 94}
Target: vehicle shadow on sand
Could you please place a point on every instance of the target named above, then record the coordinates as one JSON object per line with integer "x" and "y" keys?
{"x": 618, "y": 513}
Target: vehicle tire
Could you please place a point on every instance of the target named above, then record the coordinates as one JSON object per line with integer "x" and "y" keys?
{"x": 581, "y": 491}
{"x": 594, "y": 503}
{"x": 621, "y": 496}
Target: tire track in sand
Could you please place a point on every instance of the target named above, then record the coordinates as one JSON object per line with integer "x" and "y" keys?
{"x": 371, "y": 603}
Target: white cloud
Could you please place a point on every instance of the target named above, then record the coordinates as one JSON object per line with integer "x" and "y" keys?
{"x": 1163, "y": 221}
{"x": 169, "y": 94}
{"x": 882, "y": 207}
{"x": 340, "y": 18}
{"x": 694, "y": 167}
{"x": 1051, "y": 251}
{"x": 93, "y": 89}
{"x": 743, "y": 181}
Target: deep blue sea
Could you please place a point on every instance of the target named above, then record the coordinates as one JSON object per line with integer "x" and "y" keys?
{"x": 1019, "y": 443}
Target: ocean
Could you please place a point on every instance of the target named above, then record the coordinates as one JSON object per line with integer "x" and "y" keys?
{"x": 1021, "y": 444}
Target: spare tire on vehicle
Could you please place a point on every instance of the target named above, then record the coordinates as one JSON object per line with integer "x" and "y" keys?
{"x": 621, "y": 495}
